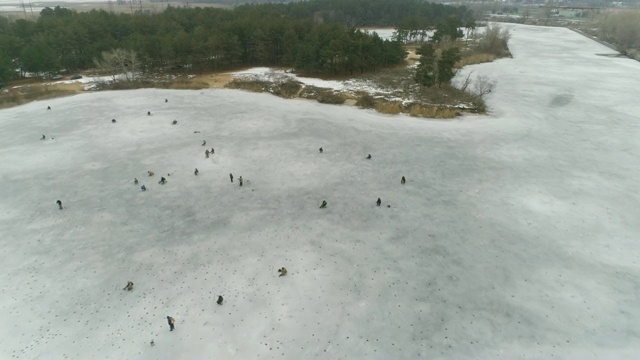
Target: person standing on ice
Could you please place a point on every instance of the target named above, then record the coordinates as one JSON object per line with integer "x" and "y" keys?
{"x": 378, "y": 202}
{"x": 282, "y": 271}
{"x": 206, "y": 153}
{"x": 402, "y": 181}
{"x": 240, "y": 180}
{"x": 231, "y": 177}
{"x": 172, "y": 323}
{"x": 59, "y": 204}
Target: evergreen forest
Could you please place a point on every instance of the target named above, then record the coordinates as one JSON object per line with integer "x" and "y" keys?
{"x": 317, "y": 37}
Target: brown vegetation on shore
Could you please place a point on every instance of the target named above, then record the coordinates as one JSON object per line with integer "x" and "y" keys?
{"x": 26, "y": 93}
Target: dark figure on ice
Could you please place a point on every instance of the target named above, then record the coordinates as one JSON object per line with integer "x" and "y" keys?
{"x": 172, "y": 323}
{"x": 240, "y": 180}
{"x": 113, "y": 121}
{"x": 135, "y": 181}
{"x": 143, "y": 188}
{"x": 43, "y": 137}
{"x": 48, "y": 107}
{"x": 150, "y": 173}
{"x": 213, "y": 151}
{"x": 196, "y": 172}
{"x": 282, "y": 271}
{"x": 369, "y": 157}
{"x": 402, "y": 181}
{"x": 220, "y": 299}
{"x": 321, "y": 151}
{"x": 129, "y": 286}
{"x": 166, "y": 100}
{"x": 206, "y": 153}
{"x": 153, "y": 343}
{"x": 148, "y": 113}
{"x": 174, "y": 122}
{"x": 59, "y": 204}
{"x": 231, "y": 177}
{"x": 204, "y": 142}
{"x": 324, "y": 204}
{"x": 162, "y": 181}
{"x": 378, "y": 202}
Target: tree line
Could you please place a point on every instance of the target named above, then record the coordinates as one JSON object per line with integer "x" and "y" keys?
{"x": 621, "y": 28}
{"x": 317, "y": 36}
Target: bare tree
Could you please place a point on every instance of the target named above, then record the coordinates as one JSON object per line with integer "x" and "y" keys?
{"x": 466, "y": 81}
{"x": 483, "y": 86}
{"x": 118, "y": 61}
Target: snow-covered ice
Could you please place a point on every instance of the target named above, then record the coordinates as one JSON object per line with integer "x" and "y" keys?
{"x": 278, "y": 75}
{"x": 350, "y": 85}
{"x": 515, "y": 236}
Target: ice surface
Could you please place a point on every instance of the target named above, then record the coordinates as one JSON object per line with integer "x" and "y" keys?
{"x": 515, "y": 236}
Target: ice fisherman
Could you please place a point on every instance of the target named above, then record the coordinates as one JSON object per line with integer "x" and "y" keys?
{"x": 282, "y": 271}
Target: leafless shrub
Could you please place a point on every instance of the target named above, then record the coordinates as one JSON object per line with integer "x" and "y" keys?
{"x": 388, "y": 107}
{"x": 322, "y": 95}
{"x": 494, "y": 41}
{"x": 483, "y": 86}
{"x": 331, "y": 97}
{"x": 432, "y": 111}
{"x": 475, "y": 59}
{"x": 287, "y": 89}
{"x": 366, "y": 101}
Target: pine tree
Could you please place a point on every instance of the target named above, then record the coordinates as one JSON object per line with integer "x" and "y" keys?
{"x": 446, "y": 70}
{"x": 426, "y": 73}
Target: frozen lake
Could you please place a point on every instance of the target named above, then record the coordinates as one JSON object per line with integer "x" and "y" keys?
{"x": 515, "y": 235}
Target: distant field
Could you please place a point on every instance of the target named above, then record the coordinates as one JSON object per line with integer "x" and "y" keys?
{"x": 14, "y": 10}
